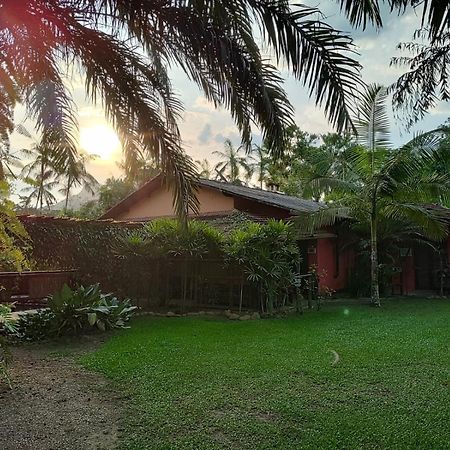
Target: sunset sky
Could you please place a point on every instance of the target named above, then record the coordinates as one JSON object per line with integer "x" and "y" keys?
{"x": 204, "y": 128}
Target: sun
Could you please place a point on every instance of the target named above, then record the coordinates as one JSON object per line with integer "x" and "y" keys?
{"x": 99, "y": 140}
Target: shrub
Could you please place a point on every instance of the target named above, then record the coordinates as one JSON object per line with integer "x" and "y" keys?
{"x": 36, "y": 326}
{"x": 82, "y": 308}
{"x": 268, "y": 254}
{"x": 7, "y": 325}
{"x": 72, "y": 311}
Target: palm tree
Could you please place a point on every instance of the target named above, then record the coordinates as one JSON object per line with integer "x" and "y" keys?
{"x": 205, "y": 170}
{"x": 76, "y": 174}
{"x": 232, "y": 164}
{"x": 40, "y": 174}
{"x": 40, "y": 189}
{"x": 378, "y": 184}
{"x": 123, "y": 49}
{"x": 8, "y": 162}
{"x": 260, "y": 162}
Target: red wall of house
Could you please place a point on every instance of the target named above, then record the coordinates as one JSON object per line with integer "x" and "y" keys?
{"x": 408, "y": 274}
{"x": 331, "y": 276}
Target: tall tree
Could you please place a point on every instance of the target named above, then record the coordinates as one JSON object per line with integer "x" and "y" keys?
{"x": 204, "y": 168}
{"x": 41, "y": 176}
{"x": 259, "y": 163}
{"x": 378, "y": 183}
{"x": 233, "y": 166}
{"x": 76, "y": 174}
{"x": 123, "y": 49}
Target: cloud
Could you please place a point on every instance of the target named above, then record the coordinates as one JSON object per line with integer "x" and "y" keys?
{"x": 205, "y": 136}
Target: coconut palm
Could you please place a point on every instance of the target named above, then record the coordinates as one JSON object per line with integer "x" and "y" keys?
{"x": 233, "y": 165}
{"x": 40, "y": 190}
{"x": 204, "y": 168}
{"x": 378, "y": 184}
{"x": 76, "y": 174}
{"x": 122, "y": 49}
{"x": 260, "y": 161}
{"x": 41, "y": 177}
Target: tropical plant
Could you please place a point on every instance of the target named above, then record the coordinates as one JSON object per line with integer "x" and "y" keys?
{"x": 84, "y": 307}
{"x": 9, "y": 162}
{"x": 40, "y": 175}
{"x": 76, "y": 174}
{"x": 259, "y": 163}
{"x": 378, "y": 183}
{"x": 13, "y": 236}
{"x": 268, "y": 255}
{"x": 36, "y": 326}
{"x": 139, "y": 167}
{"x": 124, "y": 47}
{"x": 233, "y": 166}
{"x": 426, "y": 80}
{"x": 204, "y": 168}
{"x": 306, "y": 155}
{"x": 167, "y": 238}
{"x": 7, "y": 326}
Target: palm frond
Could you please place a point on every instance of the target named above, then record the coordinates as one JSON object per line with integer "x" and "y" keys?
{"x": 432, "y": 224}
{"x": 372, "y": 123}
{"x": 426, "y": 81}
{"x": 360, "y": 12}
{"x": 307, "y": 224}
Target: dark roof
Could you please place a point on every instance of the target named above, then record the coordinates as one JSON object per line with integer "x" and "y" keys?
{"x": 276, "y": 199}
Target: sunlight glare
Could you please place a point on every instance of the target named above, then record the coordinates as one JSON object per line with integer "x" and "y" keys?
{"x": 99, "y": 140}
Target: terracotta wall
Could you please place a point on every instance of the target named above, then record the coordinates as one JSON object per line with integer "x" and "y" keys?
{"x": 332, "y": 268}
{"x": 408, "y": 275}
{"x": 159, "y": 204}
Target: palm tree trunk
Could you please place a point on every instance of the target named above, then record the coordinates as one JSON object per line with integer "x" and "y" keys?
{"x": 375, "y": 290}
{"x": 67, "y": 195}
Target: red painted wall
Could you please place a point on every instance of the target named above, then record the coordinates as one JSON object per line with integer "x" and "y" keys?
{"x": 408, "y": 274}
{"x": 332, "y": 275}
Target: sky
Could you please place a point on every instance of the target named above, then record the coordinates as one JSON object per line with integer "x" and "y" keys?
{"x": 204, "y": 128}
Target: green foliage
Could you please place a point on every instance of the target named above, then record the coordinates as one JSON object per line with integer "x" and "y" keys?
{"x": 168, "y": 238}
{"x": 13, "y": 236}
{"x": 75, "y": 310}
{"x": 265, "y": 254}
{"x": 233, "y": 166}
{"x": 381, "y": 187}
{"x": 268, "y": 254}
{"x": 7, "y": 326}
{"x": 87, "y": 246}
{"x": 78, "y": 309}
{"x": 36, "y": 326}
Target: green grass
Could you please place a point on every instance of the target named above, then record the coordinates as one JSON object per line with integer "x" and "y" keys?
{"x": 270, "y": 384}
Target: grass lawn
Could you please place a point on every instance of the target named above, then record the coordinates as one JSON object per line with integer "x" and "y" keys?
{"x": 195, "y": 383}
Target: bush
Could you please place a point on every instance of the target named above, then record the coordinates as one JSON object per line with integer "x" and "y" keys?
{"x": 7, "y": 326}
{"x": 36, "y": 326}
{"x": 268, "y": 255}
{"x": 71, "y": 311}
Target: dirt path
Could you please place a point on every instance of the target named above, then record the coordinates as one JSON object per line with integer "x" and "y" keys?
{"x": 55, "y": 404}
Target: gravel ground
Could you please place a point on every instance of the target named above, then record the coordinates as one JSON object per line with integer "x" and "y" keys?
{"x": 55, "y": 404}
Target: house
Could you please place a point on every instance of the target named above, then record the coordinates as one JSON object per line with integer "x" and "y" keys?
{"x": 219, "y": 199}
{"x": 419, "y": 267}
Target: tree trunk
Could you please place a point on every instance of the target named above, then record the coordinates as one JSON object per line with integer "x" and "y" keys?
{"x": 375, "y": 290}
{"x": 67, "y": 195}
